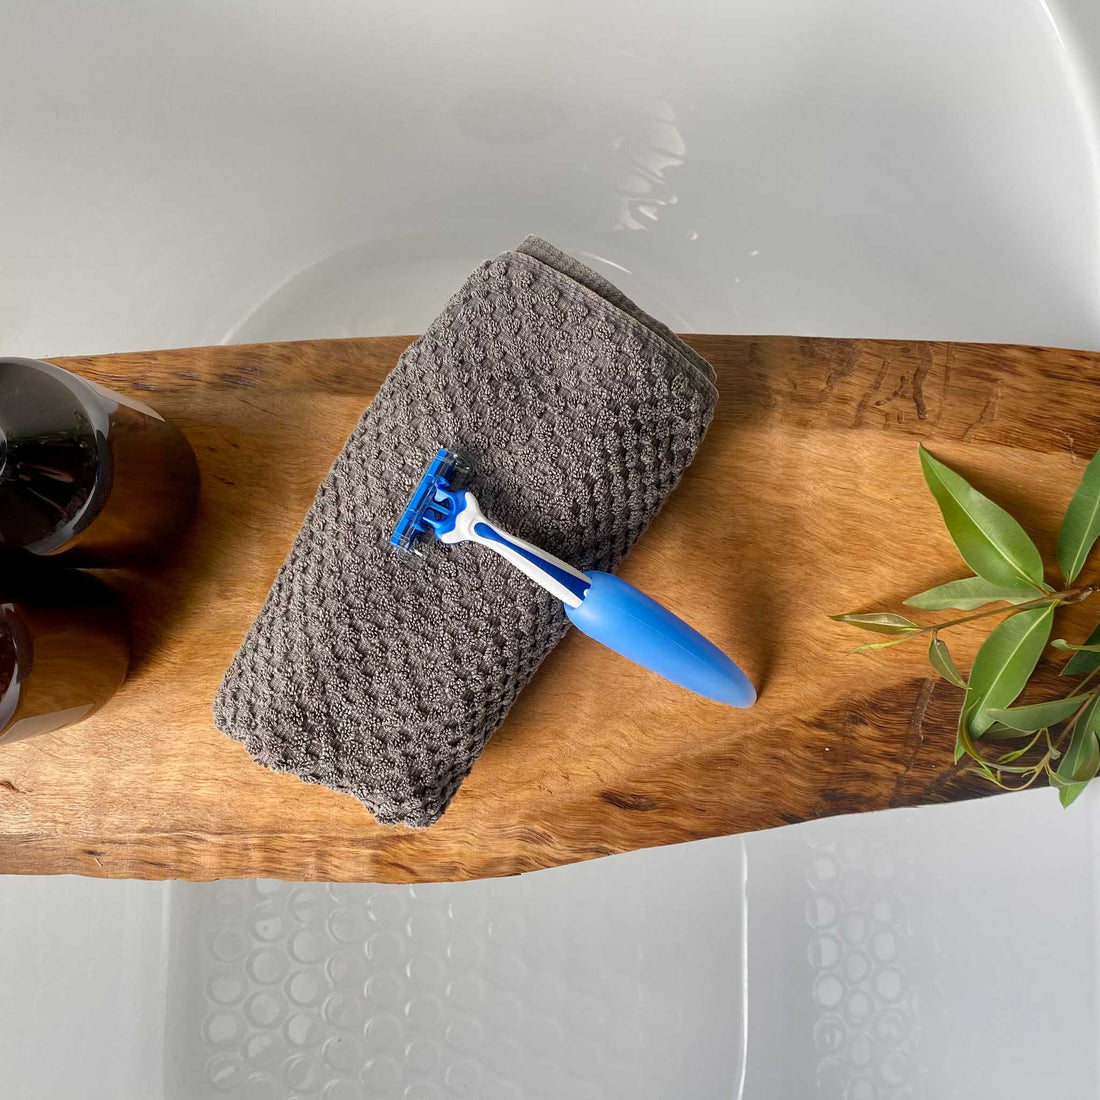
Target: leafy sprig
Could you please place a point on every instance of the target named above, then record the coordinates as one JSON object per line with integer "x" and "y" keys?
{"x": 1011, "y": 746}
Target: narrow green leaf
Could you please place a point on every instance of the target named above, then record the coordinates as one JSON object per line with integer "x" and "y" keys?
{"x": 1081, "y": 760}
{"x": 1086, "y": 660}
{"x": 970, "y": 594}
{"x": 963, "y": 742}
{"x": 1023, "y": 750}
{"x": 939, "y": 657}
{"x": 1068, "y": 794}
{"x": 1069, "y": 647}
{"x": 1004, "y": 663}
{"x": 1081, "y": 523}
{"x": 1012, "y": 769}
{"x": 990, "y": 541}
{"x": 1000, "y": 732}
{"x": 881, "y": 622}
{"x": 878, "y": 645}
{"x": 1036, "y": 716}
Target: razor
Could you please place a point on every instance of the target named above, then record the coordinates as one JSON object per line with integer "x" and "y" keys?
{"x": 601, "y": 605}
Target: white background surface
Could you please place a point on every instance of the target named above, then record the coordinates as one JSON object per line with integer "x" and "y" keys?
{"x": 186, "y": 174}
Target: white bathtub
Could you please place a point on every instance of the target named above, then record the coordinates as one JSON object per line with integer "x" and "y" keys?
{"x": 189, "y": 174}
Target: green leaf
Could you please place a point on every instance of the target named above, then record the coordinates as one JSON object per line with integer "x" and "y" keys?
{"x": 881, "y": 622}
{"x": 969, "y": 595}
{"x": 963, "y": 742}
{"x": 1004, "y": 663}
{"x": 939, "y": 657}
{"x": 877, "y": 645}
{"x": 1081, "y": 523}
{"x": 1003, "y": 765}
{"x": 1082, "y": 759}
{"x": 1069, "y": 647}
{"x": 1068, "y": 794}
{"x": 990, "y": 541}
{"x": 1000, "y": 732}
{"x": 1023, "y": 750}
{"x": 1037, "y": 716}
{"x": 1084, "y": 660}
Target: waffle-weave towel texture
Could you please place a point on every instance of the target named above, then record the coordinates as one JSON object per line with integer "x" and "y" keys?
{"x": 383, "y": 676}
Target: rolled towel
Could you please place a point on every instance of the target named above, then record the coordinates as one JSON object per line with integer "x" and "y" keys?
{"x": 578, "y": 413}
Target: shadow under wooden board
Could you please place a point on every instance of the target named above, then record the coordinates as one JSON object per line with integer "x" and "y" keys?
{"x": 806, "y": 499}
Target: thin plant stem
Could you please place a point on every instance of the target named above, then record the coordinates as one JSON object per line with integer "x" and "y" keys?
{"x": 1070, "y": 595}
{"x": 1056, "y": 599}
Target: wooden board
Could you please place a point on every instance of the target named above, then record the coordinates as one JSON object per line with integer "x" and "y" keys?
{"x": 806, "y": 499}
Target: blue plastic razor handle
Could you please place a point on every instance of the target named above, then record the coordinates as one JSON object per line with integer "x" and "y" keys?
{"x": 635, "y": 625}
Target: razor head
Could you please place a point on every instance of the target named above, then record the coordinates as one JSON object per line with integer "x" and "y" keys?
{"x": 430, "y": 503}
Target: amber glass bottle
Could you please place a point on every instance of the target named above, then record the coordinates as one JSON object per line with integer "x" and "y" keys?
{"x": 64, "y": 648}
{"x": 87, "y": 476}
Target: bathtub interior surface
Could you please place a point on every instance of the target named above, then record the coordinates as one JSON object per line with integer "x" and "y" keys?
{"x": 186, "y": 174}
{"x": 83, "y": 988}
{"x": 620, "y": 978}
{"x": 189, "y": 174}
{"x": 917, "y": 954}
{"x": 926, "y": 954}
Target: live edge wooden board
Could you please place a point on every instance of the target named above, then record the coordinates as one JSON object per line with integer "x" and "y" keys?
{"x": 806, "y": 499}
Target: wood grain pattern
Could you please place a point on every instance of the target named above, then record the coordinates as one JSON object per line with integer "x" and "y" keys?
{"x": 806, "y": 499}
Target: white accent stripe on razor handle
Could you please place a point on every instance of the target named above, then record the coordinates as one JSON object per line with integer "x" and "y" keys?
{"x": 559, "y": 578}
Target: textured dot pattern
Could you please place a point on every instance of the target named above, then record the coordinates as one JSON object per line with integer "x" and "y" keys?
{"x": 578, "y": 414}
{"x": 866, "y": 1034}
{"x": 485, "y": 989}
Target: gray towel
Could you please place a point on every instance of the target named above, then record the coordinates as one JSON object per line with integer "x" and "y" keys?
{"x": 384, "y": 677}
